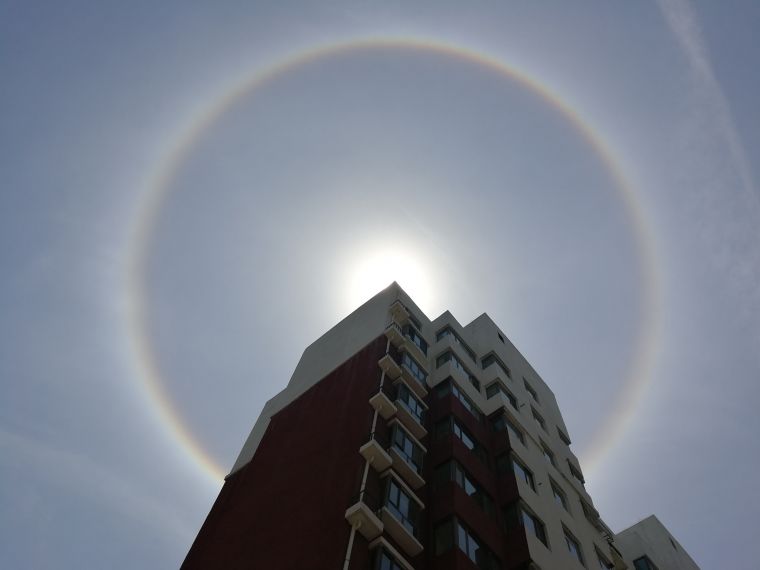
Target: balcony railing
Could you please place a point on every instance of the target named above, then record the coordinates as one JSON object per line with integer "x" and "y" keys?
{"x": 362, "y": 516}
{"x": 374, "y": 451}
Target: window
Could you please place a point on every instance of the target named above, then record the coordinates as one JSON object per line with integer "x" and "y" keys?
{"x": 451, "y": 425}
{"x": 539, "y": 420}
{"x": 493, "y": 359}
{"x": 384, "y": 561}
{"x": 452, "y": 532}
{"x": 411, "y": 364}
{"x": 530, "y": 390}
{"x": 450, "y": 387}
{"x": 407, "y": 448}
{"x": 502, "y": 422}
{"x": 603, "y": 562}
{"x": 508, "y": 462}
{"x": 414, "y": 335}
{"x": 501, "y": 337}
{"x": 644, "y": 563}
{"x": 575, "y": 472}
{"x": 563, "y": 437}
{"x": 496, "y": 388}
{"x": 403, "y": 507}
{"x": 559, "y": 496}
{"x": 548, "y": 454}
{"x": 518, "y": 515}
{"x": 410, "y": 402}
{"x": 449, "y": 356}
{"x": 453, "y": 471}
{"x": 448, "y": 331}
{"x": 573, "y": 546}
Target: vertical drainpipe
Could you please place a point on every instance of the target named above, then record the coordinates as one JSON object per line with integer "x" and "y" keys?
{"x": 355, "y": 527}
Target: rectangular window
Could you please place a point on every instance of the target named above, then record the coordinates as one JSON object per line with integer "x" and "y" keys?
{"x": 411, "y": 364}
{"x": 453, "y": 471}
{"x": 403, "y": 507}
{"x": 563, "y": 437}
{"x": 449, "y": 356}
{"x": 518, "y": 515}
{"x": 539, "y": 420}
{"x": 575, "y": 472}
{"x": 604, "y": 564}
{"x": 644, "y": 563}
{"x": 414, "y": 335}
{"x": 493, "y": 359}
{"x": 559, "y": 496}
{"x": 502, "y": 422}
{"x": 451, "y": 425}
{"x": 405, "y": 396}
{"x": 407, "y": 448}
{"x": 530, "y": 390}
{"x": 496, "y": 388}
{"x": 548, "y": 454}
{"x": 452, "y": 532}
{"x": 448, "y": 331}
{"x": 522, "y": 472}
{"x": 573, "y": 546}
{"x": 450, "y": 387}
{"x": 385, "y": 561}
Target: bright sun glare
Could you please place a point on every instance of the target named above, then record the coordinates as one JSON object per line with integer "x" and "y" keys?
{"x": 377, "y": 270}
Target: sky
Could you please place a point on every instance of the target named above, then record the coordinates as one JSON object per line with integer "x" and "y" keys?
{"x": 191, "y": 193}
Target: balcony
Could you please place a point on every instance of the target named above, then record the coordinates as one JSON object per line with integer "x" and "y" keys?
{"x": 375, "y": 455}
{"x": 395, "y": 335}
{"x": 389, "y": 366}
{"x": 400, "y": 533}
{"x": 399, "y": 312}
{"x": 383, "y": 405}
{"x": 385, "y": 545}
{"x": 361, "y": 516}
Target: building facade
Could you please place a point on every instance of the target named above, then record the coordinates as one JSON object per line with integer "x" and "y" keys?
{"x": 402, "y": 443}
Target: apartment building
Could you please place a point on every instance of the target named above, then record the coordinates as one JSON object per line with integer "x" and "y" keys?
{"x": 402, "y": 443}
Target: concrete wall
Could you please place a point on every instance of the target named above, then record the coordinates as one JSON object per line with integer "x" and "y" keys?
{"x": 650, "y": 537}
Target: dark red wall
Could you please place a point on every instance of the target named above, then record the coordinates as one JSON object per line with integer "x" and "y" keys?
{"x": 285, "y": 509}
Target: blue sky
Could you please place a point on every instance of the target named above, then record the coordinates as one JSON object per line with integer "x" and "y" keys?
{"x": 462, "y": 183}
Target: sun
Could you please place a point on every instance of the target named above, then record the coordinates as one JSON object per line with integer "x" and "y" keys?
{"x": 378, "y": 268}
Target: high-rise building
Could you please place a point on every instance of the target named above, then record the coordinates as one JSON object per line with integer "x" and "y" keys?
{"x": 404, "y": 443}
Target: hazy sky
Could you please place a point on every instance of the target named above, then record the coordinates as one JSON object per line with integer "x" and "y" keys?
{"x": 585, "y": 173}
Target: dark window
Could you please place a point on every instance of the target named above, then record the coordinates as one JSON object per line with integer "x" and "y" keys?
{"x": 502, "y": 422}
{"x": 451, "y": 425}
{"x": 501, "y": 338}
{"x": 575, "y": 472}
{"x": 384, "y": 561}
{"x": 518, "y": 515}
{"x": 493, "y": 359}
{"x": 410, "y": 402}
{"x": 522, "y": 472}
{"x": 453, "y": 471}
{"x": 407, "y": 448}
{"x": 451, "y": 532}
{"x": 450, "y": 387}
{"x": 449, "y": 356}
{"x": 417, "y": 371}
{"x": 573, "y": 546}
{"x": 548, "y": 454}
{"x": 448, "y": 331}
{"x": 530, "y": 390}
{"x": 496, "y": 388}
{"x": 559, "y": 496}
{"x": 539, "y": 420}
{"x": 403, "y": 507}
{"x": 414, "y": 335}
{"x": 563, "y": 437}
{"x": 644, "y": 563}
{"x": 603, "y": 562}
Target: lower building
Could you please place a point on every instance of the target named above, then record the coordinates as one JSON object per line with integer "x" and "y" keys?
{"x": 648, "y": 545}
{"x": 405, "y": 443}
